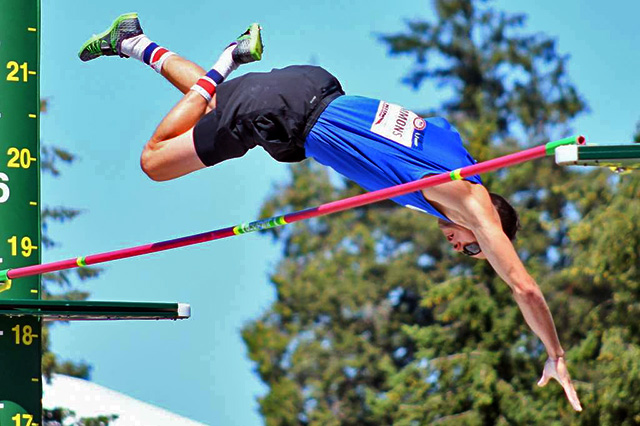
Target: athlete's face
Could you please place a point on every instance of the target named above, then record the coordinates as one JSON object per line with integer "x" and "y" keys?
{"x": 460, "y": 238}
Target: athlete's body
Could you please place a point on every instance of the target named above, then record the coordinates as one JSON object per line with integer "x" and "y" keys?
{"x": 257, "y": 109}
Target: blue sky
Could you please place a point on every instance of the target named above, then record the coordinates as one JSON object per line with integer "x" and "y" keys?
{"x": 105, "y": 110}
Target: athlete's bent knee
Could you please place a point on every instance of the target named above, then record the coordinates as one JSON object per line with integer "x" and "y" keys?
{"x": 150, "y": 165}
{"x": 170, "y": 159}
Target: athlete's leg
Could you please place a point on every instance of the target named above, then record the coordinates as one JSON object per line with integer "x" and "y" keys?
{"x": 182, "y": 73}
{"x": 170, "y": 151}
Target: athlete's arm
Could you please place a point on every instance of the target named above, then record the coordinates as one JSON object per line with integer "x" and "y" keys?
{"x": 470, "y": 206}
{"x": 500, "y": 253}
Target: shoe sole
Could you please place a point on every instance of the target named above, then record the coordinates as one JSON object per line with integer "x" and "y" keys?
{"x": 255, "y": 48}
{"x": 108, "y": 31}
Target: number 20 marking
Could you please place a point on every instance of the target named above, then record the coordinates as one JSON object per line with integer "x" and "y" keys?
{"x": 4, "y": 188}
{"x": 20, "y": 158}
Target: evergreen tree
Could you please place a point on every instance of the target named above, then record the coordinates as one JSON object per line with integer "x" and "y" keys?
{"x": 377, "y": 322}
{"x": 599, "y": 295}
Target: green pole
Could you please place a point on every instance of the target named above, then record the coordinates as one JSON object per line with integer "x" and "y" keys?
{"x": 20, "y": 338}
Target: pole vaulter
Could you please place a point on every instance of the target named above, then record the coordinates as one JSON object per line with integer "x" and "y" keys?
{"x": 324, "y": 209}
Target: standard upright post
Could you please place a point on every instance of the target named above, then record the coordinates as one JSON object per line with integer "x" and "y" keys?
{"x": 20, "y": 338}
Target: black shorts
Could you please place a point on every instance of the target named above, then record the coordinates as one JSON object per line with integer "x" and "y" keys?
{"x": 274, "y": 110}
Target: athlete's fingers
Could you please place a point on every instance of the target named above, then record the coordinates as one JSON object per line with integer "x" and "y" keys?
{"x": 572, "y": 396}
{"x": 564, "y": 379}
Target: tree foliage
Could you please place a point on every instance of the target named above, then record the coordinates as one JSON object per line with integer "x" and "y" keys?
{"x": 377, "y": 322}
{"x": 63, "y": 416}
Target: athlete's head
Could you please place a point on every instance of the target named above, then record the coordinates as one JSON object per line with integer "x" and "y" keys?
{"x": 508, "y": 215}
{"x": 464, "y": 241}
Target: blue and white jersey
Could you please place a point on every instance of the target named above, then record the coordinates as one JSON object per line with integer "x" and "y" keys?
{"x": 378, "y": 145}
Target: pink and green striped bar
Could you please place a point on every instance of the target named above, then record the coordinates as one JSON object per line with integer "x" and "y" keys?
{"x": 324, "y": 209}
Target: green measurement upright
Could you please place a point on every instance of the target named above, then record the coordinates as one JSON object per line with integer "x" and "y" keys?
{"x": 20, "y": 338}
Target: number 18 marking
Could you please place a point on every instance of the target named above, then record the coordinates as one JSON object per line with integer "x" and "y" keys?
{"x": 26, "y": 336}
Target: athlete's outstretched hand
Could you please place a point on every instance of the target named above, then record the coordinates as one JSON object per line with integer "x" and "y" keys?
{"x": 557, "y": 369}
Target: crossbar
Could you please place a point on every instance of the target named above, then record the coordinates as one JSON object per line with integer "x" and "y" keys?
{"x": 324, "y": 209}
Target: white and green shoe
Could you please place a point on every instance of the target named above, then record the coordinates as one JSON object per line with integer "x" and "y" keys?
{"x": 109, "y": 42}
{"x": 248, "y": 46}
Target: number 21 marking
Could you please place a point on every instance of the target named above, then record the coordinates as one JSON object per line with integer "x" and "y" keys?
{"x": 15, "y": 68}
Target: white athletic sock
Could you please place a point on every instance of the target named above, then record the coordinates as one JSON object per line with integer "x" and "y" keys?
{"x": 207, "y": 84}
{"x": 143, "y": 49}
{"x": 134, "y": 46}
{"x": 225, "y": 64}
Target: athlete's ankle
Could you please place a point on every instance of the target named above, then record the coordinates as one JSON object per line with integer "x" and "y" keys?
{"x": 207, "y": 84}
{"x": 247, "y": 48}
{"x": 134, "y": 47}
{"x": 145, "y": 50}
{"x": 225, "y": 64}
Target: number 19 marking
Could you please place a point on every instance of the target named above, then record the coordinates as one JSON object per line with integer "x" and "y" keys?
{"x": 25, "y": 244}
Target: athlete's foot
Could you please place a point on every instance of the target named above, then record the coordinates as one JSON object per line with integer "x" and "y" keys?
{"x": 109, "y": 42}
{"x": 248, "y": 47}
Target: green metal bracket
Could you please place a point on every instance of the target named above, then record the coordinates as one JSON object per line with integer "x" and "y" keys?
{"x": 94, "y": 310}
{"x": 617, "y": 156}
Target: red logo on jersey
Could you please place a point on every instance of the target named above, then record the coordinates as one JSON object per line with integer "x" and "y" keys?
{"x": 383, "y": 113}
{"x": 419, "y": 123}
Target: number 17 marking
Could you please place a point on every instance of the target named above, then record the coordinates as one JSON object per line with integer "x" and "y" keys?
{"x": 27, "y": 417}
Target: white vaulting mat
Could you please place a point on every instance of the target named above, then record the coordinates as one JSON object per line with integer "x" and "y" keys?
{"x": 88, "y": 399}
